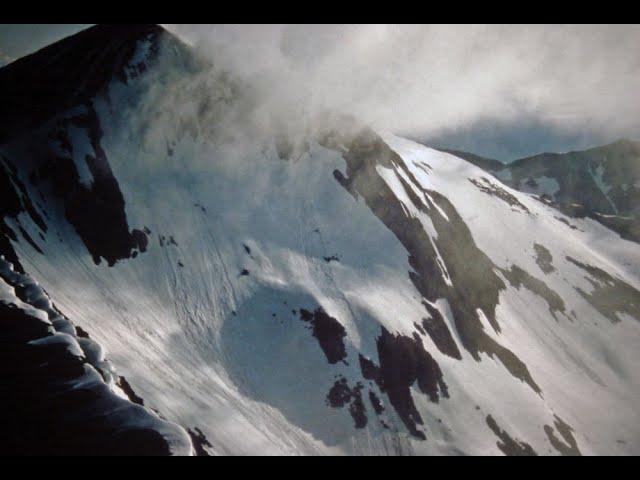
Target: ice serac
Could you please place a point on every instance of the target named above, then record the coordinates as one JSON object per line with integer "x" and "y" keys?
{"x": 326, "y": 289}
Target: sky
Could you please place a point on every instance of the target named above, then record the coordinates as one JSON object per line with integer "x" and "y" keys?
{"x": 18, "y": 40}
{"x": 502, "y": 91}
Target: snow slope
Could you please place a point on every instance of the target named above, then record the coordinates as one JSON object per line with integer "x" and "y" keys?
{"x": 599, "y": 183}
{"x": 367, "y": 295}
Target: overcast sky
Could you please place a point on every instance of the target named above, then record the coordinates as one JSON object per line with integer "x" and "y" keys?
{"x": 17, "y": 40}
{"x": 498, "y": 91}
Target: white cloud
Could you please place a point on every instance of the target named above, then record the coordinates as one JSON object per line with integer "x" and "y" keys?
{"x": 427, "y": 80}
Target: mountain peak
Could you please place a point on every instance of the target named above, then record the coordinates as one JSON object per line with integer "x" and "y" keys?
{"x": 625, "y": 143}
{"x": 68, "y": 73}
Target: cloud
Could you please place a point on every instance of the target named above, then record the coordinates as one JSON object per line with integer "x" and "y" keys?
{"x": 434, "y": 80}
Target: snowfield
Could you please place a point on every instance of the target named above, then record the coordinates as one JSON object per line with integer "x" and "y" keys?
{"x": 334, "y": 302}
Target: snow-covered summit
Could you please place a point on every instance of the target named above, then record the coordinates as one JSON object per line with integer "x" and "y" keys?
{"x": 326, "y": 290}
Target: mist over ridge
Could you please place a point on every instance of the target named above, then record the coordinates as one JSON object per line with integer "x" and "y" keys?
{"x": 532, "y": 87}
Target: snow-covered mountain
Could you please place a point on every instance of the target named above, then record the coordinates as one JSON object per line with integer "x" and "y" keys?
{"x": 325, "y": 289}
{"x": 602, "y": 183}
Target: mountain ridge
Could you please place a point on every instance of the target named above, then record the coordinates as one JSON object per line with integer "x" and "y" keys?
{"x": 602, "y": 183}
{"x": 334, "y": 291}
{"x": 625, "y": 142}
{"x": 72, "y": 71}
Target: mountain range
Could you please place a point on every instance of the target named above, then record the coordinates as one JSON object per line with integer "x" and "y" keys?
{"x": 177, "y": 277}
{"x": 601, "y": 183}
